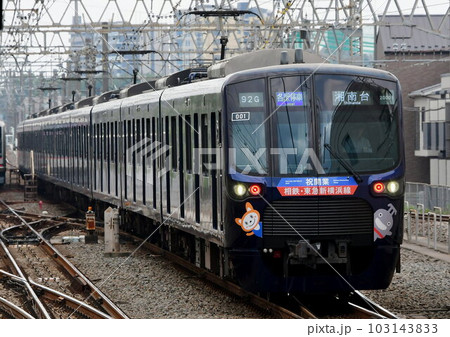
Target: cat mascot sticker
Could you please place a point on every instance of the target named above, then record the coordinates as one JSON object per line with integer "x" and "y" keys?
{"x": 250, "y": 221}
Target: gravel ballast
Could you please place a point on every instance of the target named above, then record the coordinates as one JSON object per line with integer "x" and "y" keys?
{"x": 147, "y": 286}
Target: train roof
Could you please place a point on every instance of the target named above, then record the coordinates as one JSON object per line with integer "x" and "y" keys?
{"x": 310, "y": 68}
{"x": 271, "y": 62}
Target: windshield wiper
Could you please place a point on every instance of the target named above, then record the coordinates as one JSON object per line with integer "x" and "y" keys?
{"x": 344, "y": 163}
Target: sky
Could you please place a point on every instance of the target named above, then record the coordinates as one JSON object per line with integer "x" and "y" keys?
{"x": 95, "y": 9}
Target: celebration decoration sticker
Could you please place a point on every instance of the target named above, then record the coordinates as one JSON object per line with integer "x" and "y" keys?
{"x": 383, "y": 221}
{"x": 250, "y": 221}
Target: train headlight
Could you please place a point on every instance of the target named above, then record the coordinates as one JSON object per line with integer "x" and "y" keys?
{"x": 240, "y": 190}
{"x": 393, "y": 187}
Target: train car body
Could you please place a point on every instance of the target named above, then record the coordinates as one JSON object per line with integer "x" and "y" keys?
{"x": 286, "y": 178}
{"x": 2, "y": 153}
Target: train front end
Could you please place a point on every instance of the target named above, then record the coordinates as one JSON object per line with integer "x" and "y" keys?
{"x": 314, "y": 178}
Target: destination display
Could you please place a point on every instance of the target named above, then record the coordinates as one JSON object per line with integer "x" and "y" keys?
{"x": 352, "y": 98}
{"x": 293, "y": 98}
{"x": 387, "y": 97}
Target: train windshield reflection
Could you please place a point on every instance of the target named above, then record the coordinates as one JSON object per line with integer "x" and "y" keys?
{"x": 358, "y": 119}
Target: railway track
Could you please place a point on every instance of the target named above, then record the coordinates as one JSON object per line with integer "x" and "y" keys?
{"x": 287, "y": 307}
{"x": 358, "y": 306}
{"x": 34, "y": 257}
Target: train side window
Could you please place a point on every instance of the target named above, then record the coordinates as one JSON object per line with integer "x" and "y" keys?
{"x": 77, "y": 142}
{"x": 87, "y": 140}
{"x": 124, "y": 143}
{"x": 153, "y": 164}
{"x": 108, "y": 141}
{"x": 143, "y": 140}
{"x": 105, "y": 142}
{"x": 213, "y": 127}
{"x": 83, "y": 137}
{"x": 173, "y": 140}
{"x": 100, "y": 140}
{"x": 133, "y": 154}
{"x": 138, "y": 139}
{"x": 204, "y": 144}
{"x": 81, "y": 142}
{"x": 94, "y": 145}
{"x": 129, "y": 141}
{"x": 142, "y": 158}
{"x": 116, "y": 143}
{"x": 86, "y": 153}
{"x": 188, "y": 144}
{"x": 196, "y": 141}
{"x": 113, "y": 143}
{"x": 166, "y": 141}
{"x": 148, "y": 134}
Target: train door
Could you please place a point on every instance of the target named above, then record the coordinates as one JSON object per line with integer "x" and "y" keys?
{"x": 139, "y": 147}
{"x": 148, "y": 190}
{"x": 128, "y": 188}
{"x": 189, "y": 187}
{"x": 164, "y": 163}
{"x": 216, "y": 162}
{"x": 113, "y": 159}
{"x": 71, "y": 161}
{"x": 180, "y": 141}
{"x": 207, "y": 207}
{"x": 132, "y": 150}
{"x": 143, "y": 161}
{"x": 173, "y": 174}
{"x": 108, "y": 156}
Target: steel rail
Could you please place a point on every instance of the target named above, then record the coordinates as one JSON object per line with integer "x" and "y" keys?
{"x": 364, "y": 313}
{"x": 38, "y": 306}
{"x": 7, "y": 239}
{"x": 374, "y": 307}
{"x": 371, "y": 309}
{"x": 113, "y": 310}
{"x": 71, "y": 302}
{"x": 13, "y": 310}
{"x": 60, "y": 297}
{"x": 229, "y": 286}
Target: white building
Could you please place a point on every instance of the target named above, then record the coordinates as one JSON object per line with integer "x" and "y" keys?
{"x": 432, "y": 106}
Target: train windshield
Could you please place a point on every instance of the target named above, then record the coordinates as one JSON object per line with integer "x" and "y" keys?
{"x": 291, "y": 125}
{"x": 352, "y": 127}
{"x": 358, "y": 124}
{"x": 247, "y": 128}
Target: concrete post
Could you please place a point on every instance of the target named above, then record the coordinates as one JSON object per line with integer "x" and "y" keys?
{"x": 112, "y": 245}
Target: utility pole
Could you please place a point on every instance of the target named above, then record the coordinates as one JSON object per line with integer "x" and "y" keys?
{"x": 105, "y": 60}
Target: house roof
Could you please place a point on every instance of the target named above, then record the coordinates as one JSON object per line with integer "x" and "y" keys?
{"x": 431, "y": 90}
{"x": 418, "y": 36}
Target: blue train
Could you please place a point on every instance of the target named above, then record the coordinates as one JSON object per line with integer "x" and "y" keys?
{"x": 283, "y": 178}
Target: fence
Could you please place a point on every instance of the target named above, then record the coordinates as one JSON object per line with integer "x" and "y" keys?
{"x": 428, "y": 195}
{"x": 424, "y": 221}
